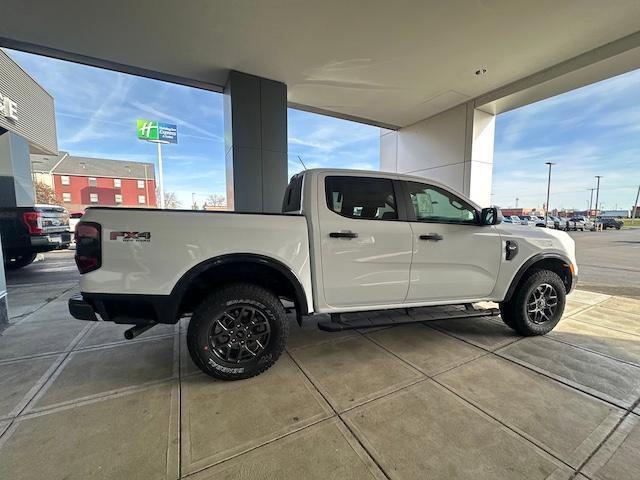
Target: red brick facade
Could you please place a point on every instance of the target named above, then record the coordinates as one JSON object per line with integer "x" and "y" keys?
{"x": 80, "y": 192}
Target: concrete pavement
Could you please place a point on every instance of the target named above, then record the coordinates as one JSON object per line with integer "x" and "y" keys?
{"x": 456, "y": 399}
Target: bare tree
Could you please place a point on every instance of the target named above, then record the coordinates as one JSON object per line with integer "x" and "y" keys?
{"x": 216, "y": 200}
{"x": 45, "y": 194}
{"x": 171, "y": 201}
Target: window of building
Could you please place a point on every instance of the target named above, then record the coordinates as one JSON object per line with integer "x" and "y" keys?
{"x": 93, "y": 197}
{"x": 361, "y": 197}
{"x": 140, "y": 183}
{"x": 117, "y": 183}
{"x": 66, "y": 196}
{"x": 433, "y": 204}
{"x": 93, "y": 182}
{"x": 64, "y": 179}
{"x": 141, "y": 199}
{"x": 118, "y": 198}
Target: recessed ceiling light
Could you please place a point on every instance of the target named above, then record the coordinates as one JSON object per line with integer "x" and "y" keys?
{"x": 481, "y": 71}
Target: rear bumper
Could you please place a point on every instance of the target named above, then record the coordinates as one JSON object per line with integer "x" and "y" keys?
{"x": 123, "y": 308}
{"x": 80, "y": 309}
{"x": 50, "y": 241}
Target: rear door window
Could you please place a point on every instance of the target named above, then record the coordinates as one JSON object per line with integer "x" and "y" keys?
{"x": 361, "y": 197}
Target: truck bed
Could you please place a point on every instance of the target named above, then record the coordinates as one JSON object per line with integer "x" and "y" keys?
{"x": 147, "y": 251}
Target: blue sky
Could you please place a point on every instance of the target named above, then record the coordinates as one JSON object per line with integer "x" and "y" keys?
{"x": 591, "y": 131}
{"x": 96, "y": 112}
{"x": 594, "y": 130}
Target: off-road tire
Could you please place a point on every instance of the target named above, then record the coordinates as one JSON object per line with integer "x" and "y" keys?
{"x": 514, "y": 312}
{"x": 206, "y": 315}
{"x": 20, "y": 261}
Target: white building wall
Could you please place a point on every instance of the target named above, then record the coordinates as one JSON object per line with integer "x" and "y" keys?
{"x": 454, "y": 147}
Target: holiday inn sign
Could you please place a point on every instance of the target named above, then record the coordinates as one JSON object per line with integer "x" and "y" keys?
{"x": 159, "y": 132}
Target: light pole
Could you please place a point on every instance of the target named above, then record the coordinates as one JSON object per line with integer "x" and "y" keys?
{"x": 635, "y": 208}
{"x": 590, "y": 201}
{"x": 546, "y": 210}
{"x": 517, "y": 202}
{"x": 597, "y": 194}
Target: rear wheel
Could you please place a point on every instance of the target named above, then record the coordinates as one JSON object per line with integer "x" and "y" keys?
{"x": 19, "y": 261}
{"x": 537, "y": 305}
{"x": 238, "y": 332}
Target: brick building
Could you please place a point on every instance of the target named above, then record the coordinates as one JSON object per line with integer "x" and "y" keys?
{"x": 80, "y": 182}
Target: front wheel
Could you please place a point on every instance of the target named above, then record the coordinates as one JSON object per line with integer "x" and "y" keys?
{"x": 238, "y": 332}
{"x": 537, "y": 305}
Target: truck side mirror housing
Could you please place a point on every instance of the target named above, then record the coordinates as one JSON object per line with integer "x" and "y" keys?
{"x": 490, "y": 216}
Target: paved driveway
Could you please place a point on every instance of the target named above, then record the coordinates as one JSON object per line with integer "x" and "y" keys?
{"x": 444, "y": 400}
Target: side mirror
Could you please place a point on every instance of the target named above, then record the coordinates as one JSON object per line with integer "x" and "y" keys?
{"x": 490, "y": 216}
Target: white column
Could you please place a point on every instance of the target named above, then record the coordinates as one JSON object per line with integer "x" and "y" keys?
{"x": 454, "y": 147}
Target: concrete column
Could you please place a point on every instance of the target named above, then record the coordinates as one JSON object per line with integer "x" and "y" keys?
{"x": 454, "y": 147}
{"x": 16, "y": 187}
{"x": 255, "y": 125}
{"x": 4, "y": 312}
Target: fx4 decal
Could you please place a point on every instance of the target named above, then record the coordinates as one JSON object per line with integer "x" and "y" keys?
{"x": 131, "y": 236}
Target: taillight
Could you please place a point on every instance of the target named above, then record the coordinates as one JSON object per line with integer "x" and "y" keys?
{"x": 33, "y": 221}
{"x": 88, "y": 246}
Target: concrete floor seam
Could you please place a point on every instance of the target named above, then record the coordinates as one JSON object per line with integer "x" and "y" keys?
{"x": 65, "y": 360}
{"x": 106, "y": 395}
{"x": 604, "y": 440}
{"x": 180, "y": 376}
{"x": 556, "y": 379}
{"x": 87, "y": 349}
{"x": 23, "y": 317}
{"x": 502, "y": 423}
{"x": 6, "y": 435}
{"x": 85, "y": 402}
{"x": 452, "y": 335}
{"x": 496, "y": 354}
{"x": 607, "y": 327}
{"x": 581, "y": 347}
{"x": 256, "y": 447}
{"x": 338, "y": 415}
{"x": 417, "y": 368}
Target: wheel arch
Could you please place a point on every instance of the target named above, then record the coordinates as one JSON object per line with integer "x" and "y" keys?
{"x": 555, "y": 262}
{"x": 239, "y": 267}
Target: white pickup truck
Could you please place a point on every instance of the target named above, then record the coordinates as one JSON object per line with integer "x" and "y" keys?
{"x": 346, "y": 241}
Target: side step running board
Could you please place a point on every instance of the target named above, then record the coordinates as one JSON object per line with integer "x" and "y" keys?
{"x": 339, "y": 323}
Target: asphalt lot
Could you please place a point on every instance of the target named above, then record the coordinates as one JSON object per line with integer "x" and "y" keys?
{"x": 609, "y": 261}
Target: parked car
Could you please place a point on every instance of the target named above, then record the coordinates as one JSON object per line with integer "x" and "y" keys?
{"x": 516, "y": 220}
{"x": 610, "y": 222}
{"x": 27, "y": 231}
{"x": 553, "y": 222}
{"x": 534, "y": 220}
{"x": 346, "y": 241}
{"x": 581, "y": 223}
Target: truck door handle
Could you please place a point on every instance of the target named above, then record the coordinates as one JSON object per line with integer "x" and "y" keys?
{"x": 434, "y": 237}
{"x": 347, "y": 234}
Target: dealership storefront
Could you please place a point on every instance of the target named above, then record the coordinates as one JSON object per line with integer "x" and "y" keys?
{"x": 27, "y": 126}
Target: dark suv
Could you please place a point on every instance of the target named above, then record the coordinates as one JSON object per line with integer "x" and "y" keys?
{"x": 608, "y": 222}
{"x": 27, "y": 231}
